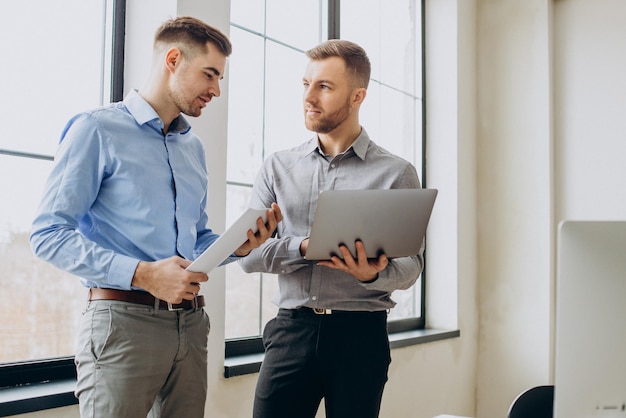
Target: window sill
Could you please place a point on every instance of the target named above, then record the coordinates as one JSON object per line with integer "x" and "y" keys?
{"x": 54, "y": 394}
{"x": 251, "y": 363}
{"x": 37, "y": 397}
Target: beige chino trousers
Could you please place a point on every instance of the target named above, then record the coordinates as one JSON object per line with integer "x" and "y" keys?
{"x": 136, "y": 361}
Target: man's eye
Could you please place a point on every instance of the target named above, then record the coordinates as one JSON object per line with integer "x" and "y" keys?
{"x": 209, "y": 76}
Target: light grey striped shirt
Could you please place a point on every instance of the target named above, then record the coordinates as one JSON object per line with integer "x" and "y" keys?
{"x": 294, "y": 178}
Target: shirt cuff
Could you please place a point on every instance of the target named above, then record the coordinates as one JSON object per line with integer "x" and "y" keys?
{"x": 122, "y": 271}
{"x": 374, "y": 283}
{"x": 371, "y": 281}
{"x": 293, "y": 247}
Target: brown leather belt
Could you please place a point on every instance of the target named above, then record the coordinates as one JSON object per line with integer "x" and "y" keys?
{"x": 143, "y": 298}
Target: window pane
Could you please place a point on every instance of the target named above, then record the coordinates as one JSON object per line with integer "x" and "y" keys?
{"x": 56, "y": 69}
{"x": 243, "y": 303}
{"x": 408, "y": 302}
{"x": 40, "y": 305}
{"x": 295, "y": 23}
{"x": 242, "y": 290}
{"x": 269, "y": 290}
{"x": 265, "y": 115}
{"x": 390, "y": 35}
{"x": 248, "y": 296}
{"x": 245, "y": 111}
{"x": 417, "y": 67}
{"x": 391, "y": 112}
{"x": 47, "y": 85}
{"x": 361, "y": 23}
{"x": 249, "y": 14}
{"x": 284, "y": 115}
{"x": 370, "y": 114}
{"x": 397, "y": 123}
{"x": 397, "y": 46}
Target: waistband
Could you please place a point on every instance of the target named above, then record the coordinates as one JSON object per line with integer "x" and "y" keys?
{"x": 306, "y": 311}
{"x": 143, "y": 298}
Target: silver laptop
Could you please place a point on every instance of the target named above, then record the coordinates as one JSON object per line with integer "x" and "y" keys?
{"x": 389, "y": 221}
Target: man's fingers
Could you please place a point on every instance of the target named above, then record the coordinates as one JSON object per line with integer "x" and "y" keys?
{"x": 198, "y": 277}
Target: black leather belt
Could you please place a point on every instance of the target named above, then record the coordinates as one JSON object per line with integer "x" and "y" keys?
{"x": 143, "y": 298}
{"x": 304, "y": 310}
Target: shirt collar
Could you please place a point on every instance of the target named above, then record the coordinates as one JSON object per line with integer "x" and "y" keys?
{"x": 143, "y": 113}
{"x": 359, "y": 146}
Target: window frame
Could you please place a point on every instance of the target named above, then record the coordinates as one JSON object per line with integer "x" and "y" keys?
{"x": 242, "y": 354}
{"x": 41, "y": 384}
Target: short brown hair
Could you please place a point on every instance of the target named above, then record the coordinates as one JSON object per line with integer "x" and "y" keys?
{"x": 193, "y": 34}
{"x": 355, "y": 57}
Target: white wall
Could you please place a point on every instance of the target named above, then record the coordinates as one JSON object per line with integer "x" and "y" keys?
{"x": 590, "y": 105}
{"x": 550, "y": 146}
{"x": 515, "y": 223}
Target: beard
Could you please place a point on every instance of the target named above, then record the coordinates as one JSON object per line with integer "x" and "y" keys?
{"x": 328, "y": 123}
{"x": 185, "y": 105}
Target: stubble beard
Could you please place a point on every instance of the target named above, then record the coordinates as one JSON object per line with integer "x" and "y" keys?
{"x": 184, "y": 105}
{"x": 324, "y": 125}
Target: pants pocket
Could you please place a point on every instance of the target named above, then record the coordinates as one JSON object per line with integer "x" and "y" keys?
{"x": 101, "y": 330}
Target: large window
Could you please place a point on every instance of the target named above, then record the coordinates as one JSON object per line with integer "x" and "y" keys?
{"x": 40, "y": 304}
{"x": 44, "y": 83}
{"x": 265, "y": 110}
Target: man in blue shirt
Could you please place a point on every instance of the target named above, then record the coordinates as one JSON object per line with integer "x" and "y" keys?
{"x": 125, "y": 210}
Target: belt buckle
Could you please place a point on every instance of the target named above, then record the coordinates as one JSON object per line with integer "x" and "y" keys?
{"x": 322, "y": 311}
{"x": 171, "y": 308}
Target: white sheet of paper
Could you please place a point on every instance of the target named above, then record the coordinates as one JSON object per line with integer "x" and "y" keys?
{"x": 228, "y": 242}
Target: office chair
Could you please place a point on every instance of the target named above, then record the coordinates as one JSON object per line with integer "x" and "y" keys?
{"x": 537, "y": 402}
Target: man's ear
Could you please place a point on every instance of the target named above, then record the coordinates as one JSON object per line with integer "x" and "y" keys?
{"x": 358, "y": 95}
{"x": 173, "y": 57}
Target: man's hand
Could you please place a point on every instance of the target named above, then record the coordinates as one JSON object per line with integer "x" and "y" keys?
{"x": 304, "y": 245}
{"x": 265, "y": 230}
{"x": 168, "y": 280}
{"x": 362, "y": 269}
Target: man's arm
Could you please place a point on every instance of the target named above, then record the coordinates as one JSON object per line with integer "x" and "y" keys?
{"x": 71, "y": 189}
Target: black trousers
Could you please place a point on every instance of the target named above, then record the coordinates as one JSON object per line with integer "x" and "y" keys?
{"x": 342, "y": 357}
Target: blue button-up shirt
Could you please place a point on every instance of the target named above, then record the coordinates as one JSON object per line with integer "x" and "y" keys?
{"x": 122, "y": 191}
{"x": 294, "y": 178}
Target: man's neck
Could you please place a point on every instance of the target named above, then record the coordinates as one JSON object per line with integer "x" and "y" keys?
{"x": 338, "y": 141}
{"x": 153, "y": 99}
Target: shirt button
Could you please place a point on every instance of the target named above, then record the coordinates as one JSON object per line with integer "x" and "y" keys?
{"x": 332, "y": 166}
{"x": 314, "y": 298}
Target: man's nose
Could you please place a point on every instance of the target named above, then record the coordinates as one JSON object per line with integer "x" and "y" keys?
{"x": 215, "y": 90}
{"x": 309, "y": 97}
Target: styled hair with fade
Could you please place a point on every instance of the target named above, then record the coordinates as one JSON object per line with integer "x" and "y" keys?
{"x": 356, "y": 59}
{"x": 193, "y": 34}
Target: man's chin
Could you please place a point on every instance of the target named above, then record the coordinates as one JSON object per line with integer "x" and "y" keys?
{"x": 194, "y": 113}
{"x": 318, "y": 128}
{"x": 312, "y": 126}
